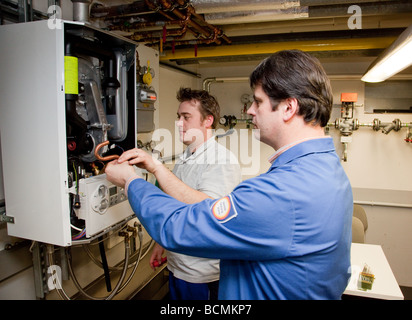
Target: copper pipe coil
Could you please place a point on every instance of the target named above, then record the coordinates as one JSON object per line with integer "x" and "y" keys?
{"x": 99, "y": 157}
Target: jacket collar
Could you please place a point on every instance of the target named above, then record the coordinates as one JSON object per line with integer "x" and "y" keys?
{"x": 301, "y": 148}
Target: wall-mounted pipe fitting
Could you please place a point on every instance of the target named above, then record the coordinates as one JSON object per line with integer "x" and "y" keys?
{"x": 346, "y": 126}
{"x": 394, "y": 125}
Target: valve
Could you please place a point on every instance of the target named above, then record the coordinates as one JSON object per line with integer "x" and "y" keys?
{"x": 394, "y": 125}
{"x": 376, "y": 124}
{"x": 228, "y": 121}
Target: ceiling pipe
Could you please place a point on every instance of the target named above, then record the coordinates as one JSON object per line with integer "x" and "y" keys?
{"x": 154, "y": 36}
{"x": 204, "y": 34}
{"x": 167, "y": 16}
{"x": 344, "y": 77}
{"x": 334, "y": 2}
{"x": 257, "y": 16}
{"x": 168, "y": 6}
{"x": 213, "y": 6}
{"x": 145, "y": 25}
{"x": 135, "y": 8}
{"x": 178, "y": 12}
{"x": 271, "y": 47}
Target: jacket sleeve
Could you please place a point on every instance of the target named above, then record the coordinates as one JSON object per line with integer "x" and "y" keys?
{"x": 246, "y": 224}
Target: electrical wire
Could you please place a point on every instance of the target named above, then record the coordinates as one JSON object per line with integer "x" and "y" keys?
{"x": 80, "y": 235}
{"x": 76, "y": 228}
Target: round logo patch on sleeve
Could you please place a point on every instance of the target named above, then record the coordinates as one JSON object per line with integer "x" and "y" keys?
{"x": 222, "y": 209}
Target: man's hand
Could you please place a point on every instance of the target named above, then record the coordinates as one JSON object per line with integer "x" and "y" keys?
{"x": 156, "y": 256}
{"x": 141, "y": 159}
{"x": 119, "y": 173}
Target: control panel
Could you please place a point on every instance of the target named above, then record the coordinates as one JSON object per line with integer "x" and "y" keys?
{"x": 101, "y": 204}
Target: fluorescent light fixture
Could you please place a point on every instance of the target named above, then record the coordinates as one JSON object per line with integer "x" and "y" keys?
{"x": 397, "y": 57}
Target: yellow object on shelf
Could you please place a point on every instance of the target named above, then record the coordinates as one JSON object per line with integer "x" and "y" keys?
{"x": 366, "y": 278}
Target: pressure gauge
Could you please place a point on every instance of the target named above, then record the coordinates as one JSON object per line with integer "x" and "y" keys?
{"x": 245, "y": 98}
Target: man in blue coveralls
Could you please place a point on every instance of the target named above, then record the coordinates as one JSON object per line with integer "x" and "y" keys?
{"x": 285, "y": 234}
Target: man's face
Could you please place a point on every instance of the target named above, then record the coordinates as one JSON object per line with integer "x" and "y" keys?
{"x": 192, "y": 128}
{"x": 267, "y": 121}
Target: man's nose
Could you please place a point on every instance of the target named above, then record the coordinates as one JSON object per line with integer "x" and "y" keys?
{"x": 251, "y": 110}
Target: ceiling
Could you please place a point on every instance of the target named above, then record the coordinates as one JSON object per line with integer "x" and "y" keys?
{"x": 196, "y": 32}
{"x": 201, "y": 31}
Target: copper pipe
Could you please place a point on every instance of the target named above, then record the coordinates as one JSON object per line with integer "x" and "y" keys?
{"x": 99, "y": 157}
{"x": 157, "y": 9}
{"x": 198, "y": 16}
{"x": 142, "y": 25}
{"x": 181, "y": 16}
{"x": 156, "y": 35}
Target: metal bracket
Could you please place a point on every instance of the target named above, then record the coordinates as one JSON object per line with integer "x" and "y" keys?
{"x": 4, "y": 217}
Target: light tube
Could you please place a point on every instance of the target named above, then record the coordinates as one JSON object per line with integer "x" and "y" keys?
{"x": 397, "y": 57}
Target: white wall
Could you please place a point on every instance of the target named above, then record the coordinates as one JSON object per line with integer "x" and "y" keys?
{"x": 170, "y": 82}
{"x": 378, "y": 167}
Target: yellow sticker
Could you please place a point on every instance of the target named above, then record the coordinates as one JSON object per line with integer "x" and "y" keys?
{"x": 71, "y": 74}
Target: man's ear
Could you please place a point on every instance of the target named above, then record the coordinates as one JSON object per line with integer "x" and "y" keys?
{"x": 209, "y": 121}
{"x": 290, "y": 108}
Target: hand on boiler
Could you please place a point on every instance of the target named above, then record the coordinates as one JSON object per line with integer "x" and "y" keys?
{"x": 141, "y": 159}
{"x": 120, "y": 173}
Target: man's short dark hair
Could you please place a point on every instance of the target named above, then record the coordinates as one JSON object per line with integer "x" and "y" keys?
{"x": 208, "y": 103}
{"x": 296, "y": 74}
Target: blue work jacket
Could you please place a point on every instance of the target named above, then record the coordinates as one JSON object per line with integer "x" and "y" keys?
{"x": 285, "y": 234}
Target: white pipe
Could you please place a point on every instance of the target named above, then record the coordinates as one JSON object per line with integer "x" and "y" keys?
{"x": 213, "y": 6}
{"x": 336, "y": 77}
{"x": 225, "y": 18}
{"x": 384, "y": 204}
{"x": 208, "y": 81}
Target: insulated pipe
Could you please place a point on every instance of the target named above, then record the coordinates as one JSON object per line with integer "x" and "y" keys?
{"x": 99, "y": 11}
{"x": 213, "y": 6}
{"x": 271, "y": 47}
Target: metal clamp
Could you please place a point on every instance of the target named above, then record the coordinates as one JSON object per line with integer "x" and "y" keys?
{"x": 4, "y": 217}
